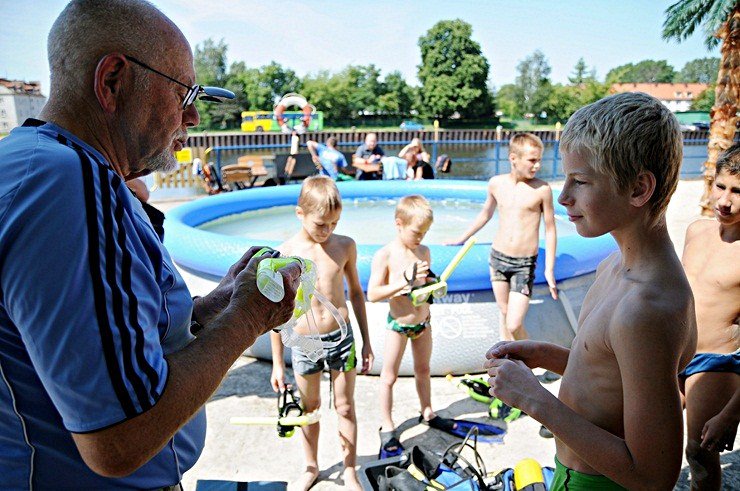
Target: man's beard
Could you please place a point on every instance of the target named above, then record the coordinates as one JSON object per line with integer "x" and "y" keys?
{"x": 164, "y": 161}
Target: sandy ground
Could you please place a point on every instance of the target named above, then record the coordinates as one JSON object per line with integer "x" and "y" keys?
{"x": 243, "y": 453}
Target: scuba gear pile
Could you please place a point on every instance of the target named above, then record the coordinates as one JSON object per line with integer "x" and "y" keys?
{"x": 527, "y": 475}
{"x": 290, "y": 415}
{"x": 270, "y": 284}
{"x": 478, "y": 389}
{"x": 438, "y": 289}
{"x": 462, "y": 427}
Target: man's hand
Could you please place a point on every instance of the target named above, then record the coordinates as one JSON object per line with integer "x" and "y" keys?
{"x": 513, "y": 382}
{"x": 211, "y": 305}
{"x": 550, "y": 277}
{"x": 719, "y": 433}
{"x": 367, "y": 358}
{"x": 251, "y": 310}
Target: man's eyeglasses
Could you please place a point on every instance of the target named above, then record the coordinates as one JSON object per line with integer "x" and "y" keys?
{"x": 211, "y": 94}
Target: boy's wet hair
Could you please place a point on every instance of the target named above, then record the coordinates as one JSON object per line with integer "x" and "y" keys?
{"x": 729, "y": 161}
{"x": 626, "y": 134}
{"x": 319, "y": 194}
{"x": 414, "y": 209}
{"x": 520, "y": 140}
{"x": 331, "y": 142}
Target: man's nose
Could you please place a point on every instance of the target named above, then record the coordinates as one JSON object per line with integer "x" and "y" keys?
{"x": 191, "y": 117}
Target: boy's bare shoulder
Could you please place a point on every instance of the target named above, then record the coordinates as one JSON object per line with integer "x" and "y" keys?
{"x": 539, "y": 184}
{"x": 701, "y": 226}
{"x": 343, "y": 241}
{"x": 654, "y": 315}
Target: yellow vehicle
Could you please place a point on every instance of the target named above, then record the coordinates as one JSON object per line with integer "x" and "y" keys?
{"x": 258, "y": 121}
{"x": 263, "y": 121}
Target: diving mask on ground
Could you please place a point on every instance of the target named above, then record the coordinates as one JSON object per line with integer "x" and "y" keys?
{"x": 438, "y": 289}
{"x": 270, "y": 284}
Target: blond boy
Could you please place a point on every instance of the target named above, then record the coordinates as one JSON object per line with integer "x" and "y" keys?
{"x": 396, "y": 269}
{"x": 319, "y": 208}
{"x": 617, "y": 419}
{"x": 522, "y": 200}
{"x": 711, "y": 249}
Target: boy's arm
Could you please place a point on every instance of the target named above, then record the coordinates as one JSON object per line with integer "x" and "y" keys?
{"x": 551, "y": 241}
{"x": 357, "y": 299}
{"x": 277, "y": 378}
{"x": 646, "y": 349}
{"x": 719, "y": 432}
{"x": 483, "y": 217}
{"x": 377, "y": 288}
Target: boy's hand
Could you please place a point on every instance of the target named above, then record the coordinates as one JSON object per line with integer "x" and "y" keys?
{"x": 367, "y": 358}
{"x": 531, "y": 353}
{"x": 513, "y": 382}
{"x": 550, "y": 277}
{"x": 277, "y": 378}
{"x": 454, "y": 243}
{"x": 718, "y": 433}
{"x": 422, "y": 270}
{"x": 316, "y": 161}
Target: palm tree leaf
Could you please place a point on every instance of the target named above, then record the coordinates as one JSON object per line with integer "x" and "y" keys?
{"x": 683, "y": 17}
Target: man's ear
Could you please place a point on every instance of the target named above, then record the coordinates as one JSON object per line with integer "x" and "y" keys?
{"x": 108, "y": 79}
{"x": 643, "y": 189}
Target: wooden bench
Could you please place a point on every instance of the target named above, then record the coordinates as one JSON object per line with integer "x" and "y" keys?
{"x": 245, "y": 172}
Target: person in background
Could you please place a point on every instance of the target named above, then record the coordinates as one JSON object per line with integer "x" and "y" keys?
{"x": 367, "y": 159}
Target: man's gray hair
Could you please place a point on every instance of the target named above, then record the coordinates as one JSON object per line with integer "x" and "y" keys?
{"x": 86, "y": 30}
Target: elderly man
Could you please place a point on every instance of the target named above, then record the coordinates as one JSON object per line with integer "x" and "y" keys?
{"x": 367, "y": 159}
{"x": 101, "y": 381}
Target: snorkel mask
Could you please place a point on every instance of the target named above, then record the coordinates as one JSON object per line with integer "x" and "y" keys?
{"x": 438, "y": 289}
{"x": 270, "y": 284}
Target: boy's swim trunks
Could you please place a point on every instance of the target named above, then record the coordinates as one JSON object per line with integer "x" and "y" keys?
{"x": 517, "y": 271}
{"x": 411, "y": 331}
{"x": 712, "y": 362}
{"x": 566, "y": 479}
{"x": 341, "y": 358}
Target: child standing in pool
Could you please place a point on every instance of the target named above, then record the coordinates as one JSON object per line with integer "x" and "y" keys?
{"x": 713, "y": 375}
{"x": 396, "y": 269}
{"x": 522, "y": 201}
{"x": 319, "y": 208}
{"x": 617, "y": 418}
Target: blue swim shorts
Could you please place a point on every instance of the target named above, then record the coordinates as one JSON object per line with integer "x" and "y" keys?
{"x": 712, "y": 362}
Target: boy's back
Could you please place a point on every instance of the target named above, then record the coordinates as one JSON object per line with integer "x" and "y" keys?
{"x": 520, "y": 207}
{"x": 708, "y": 261}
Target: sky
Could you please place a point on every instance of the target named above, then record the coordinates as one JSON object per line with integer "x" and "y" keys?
{"x": 312, "y": 35}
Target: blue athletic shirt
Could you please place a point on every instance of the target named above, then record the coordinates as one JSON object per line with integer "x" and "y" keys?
{"x": 90, "y": 303}
{"x": 331, "y": 160}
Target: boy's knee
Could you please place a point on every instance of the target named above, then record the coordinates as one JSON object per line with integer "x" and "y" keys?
{"x": 388, "y": 379}
{"x": 698, "y": 460}
{"x": 345, "y": 409}
{"x": 310, "y": 404}
{"x": 421, "y": 371}
{"x": 513, "y": 327}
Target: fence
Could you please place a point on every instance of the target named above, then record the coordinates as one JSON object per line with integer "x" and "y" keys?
{"x": 211, "y": 147}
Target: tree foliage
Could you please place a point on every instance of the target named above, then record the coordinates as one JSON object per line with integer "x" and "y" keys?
{"x": 453, "y": 72}
{"x": 646, "y": 71}
{"x": 704, "y": 101}
{"x": 700, "y": 70}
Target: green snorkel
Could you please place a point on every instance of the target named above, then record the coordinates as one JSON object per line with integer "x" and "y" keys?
{"x": 438, "y": 289}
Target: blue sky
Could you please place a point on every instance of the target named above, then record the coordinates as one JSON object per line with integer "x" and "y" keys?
{"x": 308, "y": 36}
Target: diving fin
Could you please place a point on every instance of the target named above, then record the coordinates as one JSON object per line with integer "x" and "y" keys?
{"x": 390, "y": 445}
{"x": 476, "y": 387}
{"x": 461, "y": 427}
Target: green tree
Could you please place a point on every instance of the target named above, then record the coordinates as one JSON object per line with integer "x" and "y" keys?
{"x": 209, "y": 60}
{"x": 533, "y": 83}
{"x": 700, "y": 70}
{"x": 581, "y": 73}
{"x": 704, "y": 101}
{"x": 397, "y": 96}
{"x": 265, "y": 85}
{"x": 453, "y": 72}
{"x": 507, "y": 100}
{"x": 644, "y": 71}
{"x": 721, "y": 22}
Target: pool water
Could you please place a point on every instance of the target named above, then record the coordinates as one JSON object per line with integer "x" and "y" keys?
{"x": 368, "y": 221}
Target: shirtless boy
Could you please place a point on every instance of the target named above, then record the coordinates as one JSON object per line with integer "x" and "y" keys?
{"x": 618, "y": 418}
{"x": 335, "y": 256}
{"x": 396, "y": 268}
{"x": 522, "y": 200}
{"x": 712, "y": 377}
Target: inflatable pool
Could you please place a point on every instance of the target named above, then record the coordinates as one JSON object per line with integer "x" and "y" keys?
{"x": 464, "y": 322}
